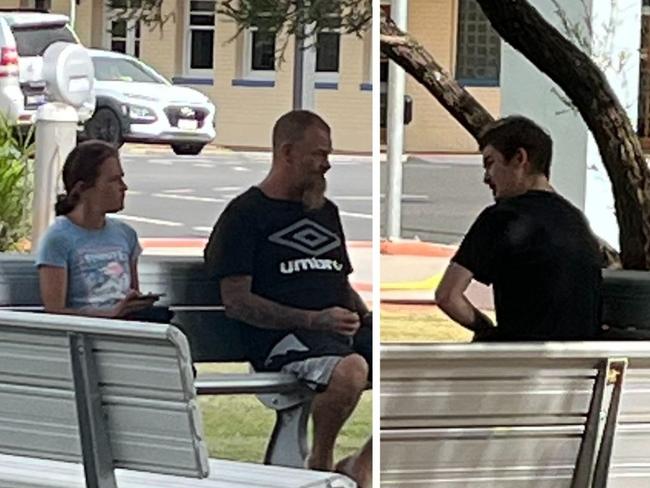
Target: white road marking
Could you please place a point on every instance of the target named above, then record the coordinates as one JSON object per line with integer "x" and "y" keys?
{"x": 228, "y": 188}
{"x": 188, "y": 198}
{"x": 351, "y": 198}
{"x": 412, "y": 198}
{"x": 180, "y": 190}
{"x": 145, "y": 220}
{"x": 355, "y": 215}
{"x": 165, "y": 162}
{"x": 203, "y": 165}
{"x": 202, "y": 229}
{"x": 241, "y": 168}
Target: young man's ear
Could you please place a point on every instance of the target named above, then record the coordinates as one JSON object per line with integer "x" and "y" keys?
{"x": 521, "y": 157}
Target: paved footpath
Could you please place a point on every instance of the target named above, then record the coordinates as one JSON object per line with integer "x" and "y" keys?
{"x": 411, "y": 270}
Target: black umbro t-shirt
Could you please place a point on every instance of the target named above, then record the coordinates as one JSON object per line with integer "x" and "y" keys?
{"x": 295, "y": 257}
{"x": 539, "y": 254}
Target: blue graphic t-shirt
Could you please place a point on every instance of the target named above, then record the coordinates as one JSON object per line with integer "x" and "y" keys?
{"x": 98, "y": 261}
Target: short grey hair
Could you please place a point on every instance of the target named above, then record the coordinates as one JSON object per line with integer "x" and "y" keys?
{"x": 291, "y": 127}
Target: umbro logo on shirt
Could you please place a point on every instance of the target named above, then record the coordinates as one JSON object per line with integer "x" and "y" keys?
{"x": 307, "y": 236}
{"x": 310, "y": 264}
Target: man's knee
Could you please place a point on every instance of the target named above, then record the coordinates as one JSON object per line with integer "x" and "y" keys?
{"x": 350, "y": 375}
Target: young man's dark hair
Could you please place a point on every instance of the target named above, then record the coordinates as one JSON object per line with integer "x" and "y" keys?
{"x": 511, "y": 133}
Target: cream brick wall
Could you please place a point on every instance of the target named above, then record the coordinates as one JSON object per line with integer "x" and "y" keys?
{"x": 433, "y": 24}
{"x": 83, "y": 22}
{"x": 60, "y": 7}
{"x": 246, "y": 114}
{"x": 348, "y": 110}
{"x": 159, "y": 45}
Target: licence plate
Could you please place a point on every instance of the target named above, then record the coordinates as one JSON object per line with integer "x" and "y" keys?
{"x": 34, "y": 99}
{"x": 186, "y": 124}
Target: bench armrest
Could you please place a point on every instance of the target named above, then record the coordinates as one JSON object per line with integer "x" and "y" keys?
{"x": 244, "y": 383}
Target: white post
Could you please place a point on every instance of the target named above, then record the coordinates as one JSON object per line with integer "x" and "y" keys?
{"x": 395, "y": 101}
{"x": 304, "y": 68}
{"x": 56, "y": 136}
{"x": 73, "y": 13}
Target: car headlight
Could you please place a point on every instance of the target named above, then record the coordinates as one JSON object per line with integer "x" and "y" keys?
{"x": 141, "y": 114}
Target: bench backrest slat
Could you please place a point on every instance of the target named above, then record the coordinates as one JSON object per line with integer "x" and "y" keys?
{"x": 211, "y": 335}
{"x": 145, "y": 383}
{"x": 507, "y": 414}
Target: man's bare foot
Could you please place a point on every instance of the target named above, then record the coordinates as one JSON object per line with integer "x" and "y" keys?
{"x": 353, "y": 467}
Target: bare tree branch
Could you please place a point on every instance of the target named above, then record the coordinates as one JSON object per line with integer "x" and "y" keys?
{"x": 418, "y": 62}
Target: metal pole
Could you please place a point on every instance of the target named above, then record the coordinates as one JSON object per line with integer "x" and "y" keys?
{"x": 304, "y": 67}
{"x": 73, "y": 13}
{"x": 395, "y": 101}
{"x": 56, "y": 136}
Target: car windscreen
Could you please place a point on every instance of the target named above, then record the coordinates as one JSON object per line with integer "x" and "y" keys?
{"x": 116, "y": 69}
{"x": 33, "y": 41}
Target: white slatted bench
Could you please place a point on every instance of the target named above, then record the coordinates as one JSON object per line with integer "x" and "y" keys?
{"x": 212, "y": 338}
{"x": 516, "y": 415}
{"x": 98, "y": 403}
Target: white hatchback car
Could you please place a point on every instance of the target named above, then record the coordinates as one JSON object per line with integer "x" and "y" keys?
{"x": 134, "y": 103}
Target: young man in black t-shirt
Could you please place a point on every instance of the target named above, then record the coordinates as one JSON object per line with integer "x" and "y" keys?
{"x": 279, "y": 253}
{"x": 532, "y": 245}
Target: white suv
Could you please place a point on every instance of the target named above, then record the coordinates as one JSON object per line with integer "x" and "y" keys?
{"x": 24, "y": 37}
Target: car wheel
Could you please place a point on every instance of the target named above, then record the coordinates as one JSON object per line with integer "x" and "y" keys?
{"x": 189, "y": 149}
{"x": 105, "y": 126}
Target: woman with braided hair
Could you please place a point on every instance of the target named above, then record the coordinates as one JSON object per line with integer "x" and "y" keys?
{"x": 87, "y": 261}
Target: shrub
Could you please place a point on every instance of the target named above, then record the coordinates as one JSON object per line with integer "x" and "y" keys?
{"x": 16, "y": 180}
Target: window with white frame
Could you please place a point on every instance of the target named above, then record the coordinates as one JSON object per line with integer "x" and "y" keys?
{"x": 200, "y": 27}
{"x": 328, "y": 51}
{"x": 258, "y": 61}
{"x": 122, "y": 34}
{"x": 262, "y": 50}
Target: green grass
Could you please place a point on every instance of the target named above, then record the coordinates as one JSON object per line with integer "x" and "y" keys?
{"x": 238, "y": 426}
{"x": 419, "y": 324}
{"x": 413, "y": 323}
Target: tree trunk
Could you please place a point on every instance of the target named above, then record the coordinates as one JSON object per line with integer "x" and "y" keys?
{"x": 416, "y": 61}
{"x": 519, "y": 24}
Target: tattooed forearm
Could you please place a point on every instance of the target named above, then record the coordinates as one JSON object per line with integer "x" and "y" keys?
{"x": 247, "y": 307}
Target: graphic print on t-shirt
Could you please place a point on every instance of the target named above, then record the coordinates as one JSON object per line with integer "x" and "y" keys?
{"x": 106, "y": 275}
{"x": 312, "y": 239}
{"x": 307, "y": 236}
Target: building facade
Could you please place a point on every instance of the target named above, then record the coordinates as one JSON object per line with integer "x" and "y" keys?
{"x": 198, "y": 48}
{"x": 461, "y": 40}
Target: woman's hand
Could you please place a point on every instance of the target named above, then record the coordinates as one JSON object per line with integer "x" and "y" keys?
{"x": 132, "y": 302}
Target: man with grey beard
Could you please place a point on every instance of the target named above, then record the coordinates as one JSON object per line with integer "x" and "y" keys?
{"x": 279, "y": 253}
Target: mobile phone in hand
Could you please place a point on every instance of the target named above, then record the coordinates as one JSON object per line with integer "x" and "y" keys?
{"x": 147, "y": 296}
